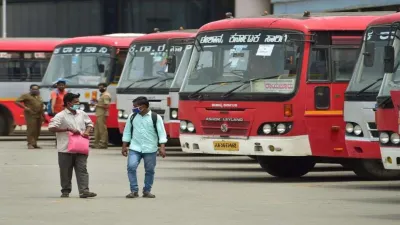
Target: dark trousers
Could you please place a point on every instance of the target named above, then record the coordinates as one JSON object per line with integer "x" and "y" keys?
{"x": 69, "y": 162}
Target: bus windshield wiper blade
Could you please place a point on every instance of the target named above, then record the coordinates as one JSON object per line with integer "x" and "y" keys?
{"x": 134, "y": 82}
{"x": 214, "y": 83}
{"x": 368, "y": 86}
{"x": 160, "y": 81}
{"x": 243, "y": 83}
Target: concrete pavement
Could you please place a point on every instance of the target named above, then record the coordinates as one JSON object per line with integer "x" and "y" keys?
{"x": 190, "y": 190}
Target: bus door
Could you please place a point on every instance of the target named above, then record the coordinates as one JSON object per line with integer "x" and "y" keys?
{"x": 330, "y": 69}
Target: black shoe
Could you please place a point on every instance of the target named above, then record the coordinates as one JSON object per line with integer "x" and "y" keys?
{"x": 87, "y": 195}
{"x": 148, "y": 195}
{"x": 132, "y": 195}
{"x": 64, "y": 195}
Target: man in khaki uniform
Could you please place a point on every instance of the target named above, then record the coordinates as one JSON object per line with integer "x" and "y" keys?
{"x": 34, "y": 114}
{"x": 102, "y": 112}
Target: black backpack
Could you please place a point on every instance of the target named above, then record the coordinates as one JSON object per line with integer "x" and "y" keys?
{"x": 153, "y": 117}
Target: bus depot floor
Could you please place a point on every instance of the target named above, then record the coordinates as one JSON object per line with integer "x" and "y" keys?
{"x": 190, "y": 189}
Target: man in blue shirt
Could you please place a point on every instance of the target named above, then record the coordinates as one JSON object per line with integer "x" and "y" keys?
{"x": 141, "y": 137}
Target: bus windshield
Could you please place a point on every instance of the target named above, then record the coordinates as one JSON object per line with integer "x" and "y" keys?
{"x": 363, "y": 75}
{"x": 146, "y": 66}
{"x": 79, "y": 65}
{"x": 392, "y": 81}
{"x": 183, "y": 66}
{"x": 252, "y": 56}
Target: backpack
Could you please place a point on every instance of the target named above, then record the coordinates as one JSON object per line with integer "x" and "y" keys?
{"x": 49, "y": 112}
{"x": 153, "y": 118}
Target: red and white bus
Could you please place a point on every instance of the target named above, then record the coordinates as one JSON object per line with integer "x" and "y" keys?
{"x": 84, "y": 62}
{"x": 388, "y": 100}
{"x": 272, "y": 87}
{"x": 362, "y": 137}
{"x": 146, "y": 72}
{"x": 23, "y": 61}
{"x": 173, "y": 96}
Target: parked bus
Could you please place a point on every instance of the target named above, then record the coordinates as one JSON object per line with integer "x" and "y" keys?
{"x": 388, "y": 100}
{"x": 362, "y": 137}
{"x": 23, "y": 61}
{"x": 173, "y": 96}
{"x": 146, "y": 72}
{"x": 272, "y": 87}
{"x": 84, "y": 62}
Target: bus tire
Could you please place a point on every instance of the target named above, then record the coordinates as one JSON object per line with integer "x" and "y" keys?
{"x": 372, "y": 169}
{"x": 6, "y": 122}
{"x": 286, "y": 167}
{"x": 114, "y": 136}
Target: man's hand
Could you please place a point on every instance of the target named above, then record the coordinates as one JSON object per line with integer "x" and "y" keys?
{"x": 74, "y": 131}
{"x": 124, "y": 151}
{"x": 86, "y": 135}
{"x": 162, "y": 151}
{"x": 28, "y": 109}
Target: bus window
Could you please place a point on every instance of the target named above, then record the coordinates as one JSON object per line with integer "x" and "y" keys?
{"x": 319, "y": 70}
{"x": 119, "y": 65}
{"x": 204, "y": 69}
{"x": 343, "y": 62}
{"x": 27, "y": 66}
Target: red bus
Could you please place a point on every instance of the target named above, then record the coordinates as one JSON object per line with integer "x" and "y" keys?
{"x": 23, "y": 61}
{"x": 388, "y": 100}
{"x": 272, "y": 87}
{"x": 146, "y": 72}
{"x": 84, "y": 62}
{"x": 362, "y": 136}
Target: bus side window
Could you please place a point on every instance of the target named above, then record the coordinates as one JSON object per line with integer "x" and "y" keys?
{"x": 319, "y": 66}
{"x": 343, "y": 63}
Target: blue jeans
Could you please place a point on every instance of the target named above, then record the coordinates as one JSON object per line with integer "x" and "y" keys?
{"x": 134, "y": 159}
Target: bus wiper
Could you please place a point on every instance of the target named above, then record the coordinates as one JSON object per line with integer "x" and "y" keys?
{"x": 245, "y": 82}
{"x": 382, "y": 103}
{"x": 160, "y": 81}
{"x": 367, "y": 87}
{"x": 134, "y": 82}
{"x": 208, "y": 85}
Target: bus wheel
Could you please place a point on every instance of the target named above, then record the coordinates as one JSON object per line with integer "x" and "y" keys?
{"x": 373, "y": 169}
{"x": 114, "y": 136}
{"x": 6, "y": 122}
{"x": 286, "y": 167}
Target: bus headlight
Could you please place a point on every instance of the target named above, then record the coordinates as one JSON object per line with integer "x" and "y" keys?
{"x": 92, "y": 108}
{"x": 190, "y": 127}
{"x": 174, "y": 114}
{"x": 281, "y": 128}
{"x": 82, "y": 107}
{"x": 384, "y": 138}
{"x": 183, "y": 125}
{"x": 267, "y": 128}
{"x": 120, "y": 113}
{"x": 349, "y": 127}
{"x": 125, "y": 116}
{"x": 395, "y": 138}
{"x": 357, "y": 130}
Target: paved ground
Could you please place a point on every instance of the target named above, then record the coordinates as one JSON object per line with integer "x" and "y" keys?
{"x": 190, "y": 190}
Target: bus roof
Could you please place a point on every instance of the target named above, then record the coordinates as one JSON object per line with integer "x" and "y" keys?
{"x": 167, "y": 35}
{"x": 321, "y": 22}
{"x": 122, "y": 42}
{"x": 29, "y": 44}
{"x": 388, "y": 19}
{"x": 124, "y": 35}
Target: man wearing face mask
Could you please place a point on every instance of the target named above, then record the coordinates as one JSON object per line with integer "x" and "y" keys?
{"x": 74, "y": 120}
{"x": 33, "y": 113}
{"x": 100, "y": 128}
{"x": 144, "y": 130}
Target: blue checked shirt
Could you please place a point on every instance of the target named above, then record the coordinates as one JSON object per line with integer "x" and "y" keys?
{"x": 144, "y": 137}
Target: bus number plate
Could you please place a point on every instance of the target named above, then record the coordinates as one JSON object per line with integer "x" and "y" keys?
{"x": 226, "y": 146}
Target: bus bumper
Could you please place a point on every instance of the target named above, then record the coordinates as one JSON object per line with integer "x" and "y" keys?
{"x": 262, "y": 146}
{"x": 174, "y": 130}
{"x": 390, "y": 158}
{"x": 363, "y": 148}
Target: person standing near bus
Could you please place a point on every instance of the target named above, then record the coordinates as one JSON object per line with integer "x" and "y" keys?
{"x": 33, "y": 113}
{"x": 57, "y": 97}
{"x": 102, "y": 112}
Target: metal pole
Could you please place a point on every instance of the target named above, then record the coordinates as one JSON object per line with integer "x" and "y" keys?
{"x": 4, "y": 18}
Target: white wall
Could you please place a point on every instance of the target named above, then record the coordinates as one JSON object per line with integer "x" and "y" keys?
{"x": 251, "y": 8}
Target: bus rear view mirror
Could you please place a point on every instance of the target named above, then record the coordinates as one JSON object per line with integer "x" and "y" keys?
{"x": 101, "y": 68}
{"x": 171, "y": 62}
{"x": 389, "y": 59}
{"x": 369, "y": 53}
{"x": 290, "y": 60}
